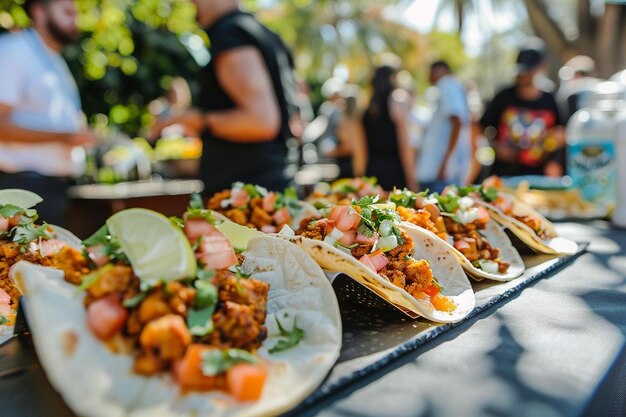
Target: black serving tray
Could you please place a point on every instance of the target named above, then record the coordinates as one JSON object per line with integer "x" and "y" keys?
{"x": 374, "y": 335}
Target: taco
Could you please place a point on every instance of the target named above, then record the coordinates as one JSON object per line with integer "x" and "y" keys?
{"x": 254, "y": 206}
{"x": 405, "y": 266}
{"x": 480, "y": 244}
{"x": 522, "y": 220}
{"x": 21, "y": 238}
{"x": 343, "y": 191}
{"x": 251, "y": 334}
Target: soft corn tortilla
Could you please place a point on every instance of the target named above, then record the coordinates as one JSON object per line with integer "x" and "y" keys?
{"x": 442, "y": 262}
{"x": 496, "y": 236}
{"x": 555, "y": 246}
{"x": 93, "y": 381}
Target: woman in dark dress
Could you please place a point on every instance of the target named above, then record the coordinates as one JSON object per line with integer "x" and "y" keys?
{"x": 390, "y": 157}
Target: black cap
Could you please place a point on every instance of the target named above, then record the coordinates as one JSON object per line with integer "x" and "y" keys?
{"x": 529, "y": 59}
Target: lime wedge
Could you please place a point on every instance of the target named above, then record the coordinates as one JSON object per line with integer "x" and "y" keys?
{"x": 21, "y": 198}
{"x": 238, "y": 235}
{"x": 157, "y": 250}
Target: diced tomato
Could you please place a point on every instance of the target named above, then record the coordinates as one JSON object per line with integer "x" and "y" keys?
{"x": 216, "y": 252}
{"x": 195, "y": 228}
{"x": 461, "y": 245}
{"x": 493, "y": 182}
{"x": 337, "y": 212}
{"x": 106, "y": 316}
{"x": 378, "y": 259}
{"x": 15, "y": 220}
{"x": 364, "y": 240}
{"x": 365, "y": 260}
{"x": 245, "y": 381}
{"x": 188, "y": 370}
{"x": 5, "y": 298}
{"x": 98, "y": 255}
{"x": 269, "y": 202}
{"x": 434, "y": 211}
{"x": 442, "y": 303}
{"x": 268, "y": 229}
{"x": 483, "y": 215}
{"x": 348, "y": 222}
{"x": 49, "y": 248}
{"x": 419, "y": 202}
{"x": 282, "y": 216}
{"x": 239, "y": 197}
{"x": 431, "y": 290}
{"x": 4, "y": 224}
{"x": 348, "y": 238}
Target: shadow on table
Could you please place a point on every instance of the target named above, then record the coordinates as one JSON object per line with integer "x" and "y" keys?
{"x": 513, "y": 348}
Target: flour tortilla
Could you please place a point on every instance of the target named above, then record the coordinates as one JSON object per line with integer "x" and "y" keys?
{"x": 93, "y": 381}
{"x": 554, "y": 246}
{"x": 495, "y": 235}
{"x": 442, "y": 262}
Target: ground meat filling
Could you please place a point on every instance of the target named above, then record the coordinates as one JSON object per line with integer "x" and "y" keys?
{"x": 69, "y": 260}
{"x": 402, "y": 270}
{"x": 477, "y": 247}
{"x": 252, "y": 215}
{"x": 422, "y": 218}
{"x": 536, "y": 225}
{"x": 156, "y": 328}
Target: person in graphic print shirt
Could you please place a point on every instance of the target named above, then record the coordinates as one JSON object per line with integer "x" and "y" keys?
{"x": 523, "y": 123}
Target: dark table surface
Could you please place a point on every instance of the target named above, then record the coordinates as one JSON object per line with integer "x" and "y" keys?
{"x": 557, "y": 349}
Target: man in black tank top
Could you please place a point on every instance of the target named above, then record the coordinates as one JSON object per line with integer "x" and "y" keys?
{"x": 248, "y": 93}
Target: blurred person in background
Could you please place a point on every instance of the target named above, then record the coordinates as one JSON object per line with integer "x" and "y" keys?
{"x": 323, "y": 129}
{"x": 41, "y": 123}
{"x": 445, "y": 155}
{"x": 390, "y": 157}
{"x": 523, "y": 123}
{"x": 350, "y": 151}
{"x": 577, "y": 84}
{"x": 175, "y": 102}
{"x": 248, "y": 94}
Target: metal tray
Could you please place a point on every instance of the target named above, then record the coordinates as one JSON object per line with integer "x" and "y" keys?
{"x": 374, "y": 335}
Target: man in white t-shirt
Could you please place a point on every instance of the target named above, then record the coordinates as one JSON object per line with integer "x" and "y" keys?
{"x": 445, "y": 155}
{"x": 41, "y": 124}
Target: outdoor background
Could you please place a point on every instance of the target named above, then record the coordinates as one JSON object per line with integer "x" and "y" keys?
{"x": 131, "y": 49}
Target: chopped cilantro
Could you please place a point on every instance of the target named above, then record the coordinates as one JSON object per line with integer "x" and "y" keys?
{"x": 406, "y": 198}
{"x": 205, "y": 274}
{"x": 24, "y": 233}
{"x": 134, "y": 301}
{"x": 192, "y": 213}
{"x": 489, "y": 194}
{"x": 101, "y": 237}
{"x": 9, "y": 210}
{"x": 111, "y": 245}
{"x": 195, "y": 202}
{"x": 199, "y": 319}
{"x": 366, "y": 201}
{"x": 215, "y": 361}
{"x": 3, "y": 320}
{"x": 291, "y": 338}
{"x": 448, "y": 203}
